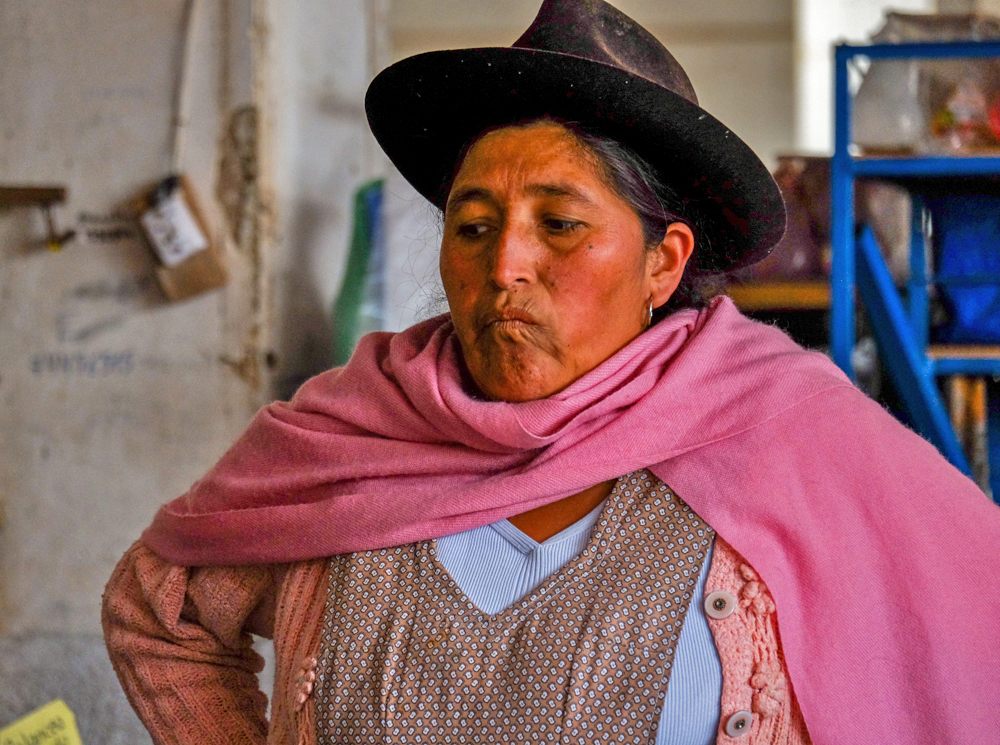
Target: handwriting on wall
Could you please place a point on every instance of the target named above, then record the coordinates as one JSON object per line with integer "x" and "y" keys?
{"x": 93, "y": 308}
{"x": 108, "y": 228}
{"x": 83, "y": 364}
{"x": 124, "y": 290}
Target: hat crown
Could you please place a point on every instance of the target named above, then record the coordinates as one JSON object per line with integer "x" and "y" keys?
{"x": 597, "y": 31}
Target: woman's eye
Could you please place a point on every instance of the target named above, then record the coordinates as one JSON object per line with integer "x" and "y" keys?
{"x": 473, "y": 230}
{"x": 556, "y": 225}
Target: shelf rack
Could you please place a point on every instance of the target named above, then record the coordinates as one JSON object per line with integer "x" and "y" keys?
{"x": 902, "y": 330}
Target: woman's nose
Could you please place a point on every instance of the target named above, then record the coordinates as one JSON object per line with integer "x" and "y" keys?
{"x": 514, "y": 257}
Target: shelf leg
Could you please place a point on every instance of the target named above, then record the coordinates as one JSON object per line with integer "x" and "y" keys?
{"x": 917, "y": 297}
{"x": 911, "y": 373}
{"x": 842, "y": 225}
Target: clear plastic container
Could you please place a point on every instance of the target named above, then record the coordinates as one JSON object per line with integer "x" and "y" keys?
{"x": 930, "y": 105}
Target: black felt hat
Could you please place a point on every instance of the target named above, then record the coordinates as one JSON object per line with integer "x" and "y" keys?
{"x": 587, "y": 62}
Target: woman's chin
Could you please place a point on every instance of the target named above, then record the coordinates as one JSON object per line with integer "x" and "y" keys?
{"x": 517, "y": 378}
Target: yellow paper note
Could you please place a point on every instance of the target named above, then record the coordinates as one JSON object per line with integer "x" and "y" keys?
{"x": 53, "y": 724}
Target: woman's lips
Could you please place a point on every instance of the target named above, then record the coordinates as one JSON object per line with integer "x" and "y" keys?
{"x": 510, "y": 316}
{"x": 507, "y": 319}
{"x": 513, "y": 329}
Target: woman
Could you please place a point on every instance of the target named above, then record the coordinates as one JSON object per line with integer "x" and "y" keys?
{"x": 467, "y": 534}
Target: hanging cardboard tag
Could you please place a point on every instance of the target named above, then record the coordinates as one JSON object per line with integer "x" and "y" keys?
{"x": 190, "y": 263}
{"x": 172, "y": 230}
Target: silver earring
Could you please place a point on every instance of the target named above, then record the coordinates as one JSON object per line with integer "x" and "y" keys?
{"x": 650, "y": 322}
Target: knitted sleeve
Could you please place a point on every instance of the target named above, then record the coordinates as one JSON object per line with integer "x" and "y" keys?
{"x": 176, "y": 640}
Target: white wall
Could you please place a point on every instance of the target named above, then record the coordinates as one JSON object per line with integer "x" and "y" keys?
{"x": 320, "y": 59}
{"x": 111, "y": 399}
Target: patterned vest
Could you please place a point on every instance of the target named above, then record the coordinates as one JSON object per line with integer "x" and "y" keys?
{"x": 585, "y": 658}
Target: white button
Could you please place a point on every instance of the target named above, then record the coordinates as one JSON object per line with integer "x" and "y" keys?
{"x": 739, "y": 724}
{"x": 719, "y": 604}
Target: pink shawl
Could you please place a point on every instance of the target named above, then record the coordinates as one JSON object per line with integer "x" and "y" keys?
{"x": 883, "y": 560}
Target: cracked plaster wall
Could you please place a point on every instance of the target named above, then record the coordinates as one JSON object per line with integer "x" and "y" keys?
{"x": 112, "y": 400}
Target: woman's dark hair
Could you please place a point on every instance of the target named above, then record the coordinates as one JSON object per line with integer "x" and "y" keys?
{"x": 657, "y": 205}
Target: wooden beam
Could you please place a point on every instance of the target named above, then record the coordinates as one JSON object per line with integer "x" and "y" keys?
{"x": 14, "y": 196}
{"x": 964, "y": 351}
{"x": 764, "y": 296}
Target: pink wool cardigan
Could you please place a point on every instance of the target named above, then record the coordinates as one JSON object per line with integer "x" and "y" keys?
{"x": 880, "y": 557}
{"x": 177, "y": 641}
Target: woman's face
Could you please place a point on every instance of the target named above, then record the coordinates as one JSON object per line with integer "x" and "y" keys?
{"x": 544, "y": 265}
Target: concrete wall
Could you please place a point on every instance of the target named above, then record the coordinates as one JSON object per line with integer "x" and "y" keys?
{"x": 320, "y": 59}
{"x": 113, "y": 400}
{"x": 738, "y": 53}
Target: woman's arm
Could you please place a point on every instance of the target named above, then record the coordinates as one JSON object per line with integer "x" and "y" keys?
{"x": 178, "y": 638}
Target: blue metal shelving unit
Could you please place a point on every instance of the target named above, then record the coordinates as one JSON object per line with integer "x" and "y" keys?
{"x": 901, "y": 329}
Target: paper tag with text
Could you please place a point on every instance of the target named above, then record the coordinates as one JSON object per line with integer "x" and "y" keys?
{"x": 53, "y": 724}
{"x": 172, "y": 229}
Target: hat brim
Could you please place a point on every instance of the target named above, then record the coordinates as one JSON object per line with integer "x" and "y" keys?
{"x": 425, "y": 110}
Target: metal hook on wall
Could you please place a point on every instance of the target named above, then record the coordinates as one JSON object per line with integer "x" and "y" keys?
{"x": 45, "y": 197}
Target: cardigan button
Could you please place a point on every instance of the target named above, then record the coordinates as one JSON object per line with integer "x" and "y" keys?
{"x": 739, "y": 724}
{"x": 719, "y": 604}
{"x": 305, "y": 682}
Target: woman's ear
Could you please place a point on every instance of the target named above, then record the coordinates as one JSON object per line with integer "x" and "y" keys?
{"x": 667, "y": 262}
